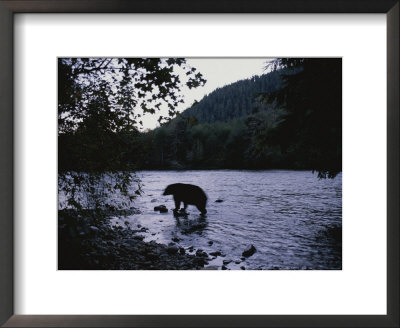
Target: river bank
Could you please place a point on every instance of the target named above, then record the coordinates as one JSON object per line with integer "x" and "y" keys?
{"x": 87, "y": 244}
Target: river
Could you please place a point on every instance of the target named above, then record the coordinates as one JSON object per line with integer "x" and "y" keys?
{"x": 293, "y": 219}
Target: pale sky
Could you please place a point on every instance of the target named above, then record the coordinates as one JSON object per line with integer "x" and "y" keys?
{"x": 218, "y": 72}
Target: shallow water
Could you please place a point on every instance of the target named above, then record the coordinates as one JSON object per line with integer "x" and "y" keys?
{"x": 293, "y": 219}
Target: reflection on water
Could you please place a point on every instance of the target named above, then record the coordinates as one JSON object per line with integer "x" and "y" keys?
{"x": 293, "y": 219}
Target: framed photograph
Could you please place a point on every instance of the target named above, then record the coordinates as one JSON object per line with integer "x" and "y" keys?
{"x": 202, "y": 164}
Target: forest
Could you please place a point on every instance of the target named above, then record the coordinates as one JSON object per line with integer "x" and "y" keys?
{"x": 289, "y": 118}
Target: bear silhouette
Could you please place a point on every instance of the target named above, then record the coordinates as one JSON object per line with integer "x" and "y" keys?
{"x": 188, "y": 194}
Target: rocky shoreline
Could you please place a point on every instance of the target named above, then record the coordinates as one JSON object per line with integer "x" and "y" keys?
{"x": 88, "y": 241}
{"x": 87, "y": 244}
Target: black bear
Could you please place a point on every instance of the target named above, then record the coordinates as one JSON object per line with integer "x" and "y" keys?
{"x": 188, "y": 194}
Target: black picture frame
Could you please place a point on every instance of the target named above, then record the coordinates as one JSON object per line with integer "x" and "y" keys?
{"x": 10, "y": 7}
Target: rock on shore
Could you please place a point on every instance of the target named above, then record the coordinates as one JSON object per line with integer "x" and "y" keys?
{"x": 249, "y": 251}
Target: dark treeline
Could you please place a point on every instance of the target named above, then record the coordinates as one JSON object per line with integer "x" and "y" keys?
{"x": 220, "y": 145}
{"x": 289, "y": 118}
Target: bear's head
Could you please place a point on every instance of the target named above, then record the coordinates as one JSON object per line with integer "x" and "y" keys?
{"x": 169, "y": 190}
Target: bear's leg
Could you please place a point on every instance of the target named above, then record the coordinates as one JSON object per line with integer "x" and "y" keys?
{"x": 202, "y": 209}
{"x": 185, "y": 205}
{"x": 177, "y": 204}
